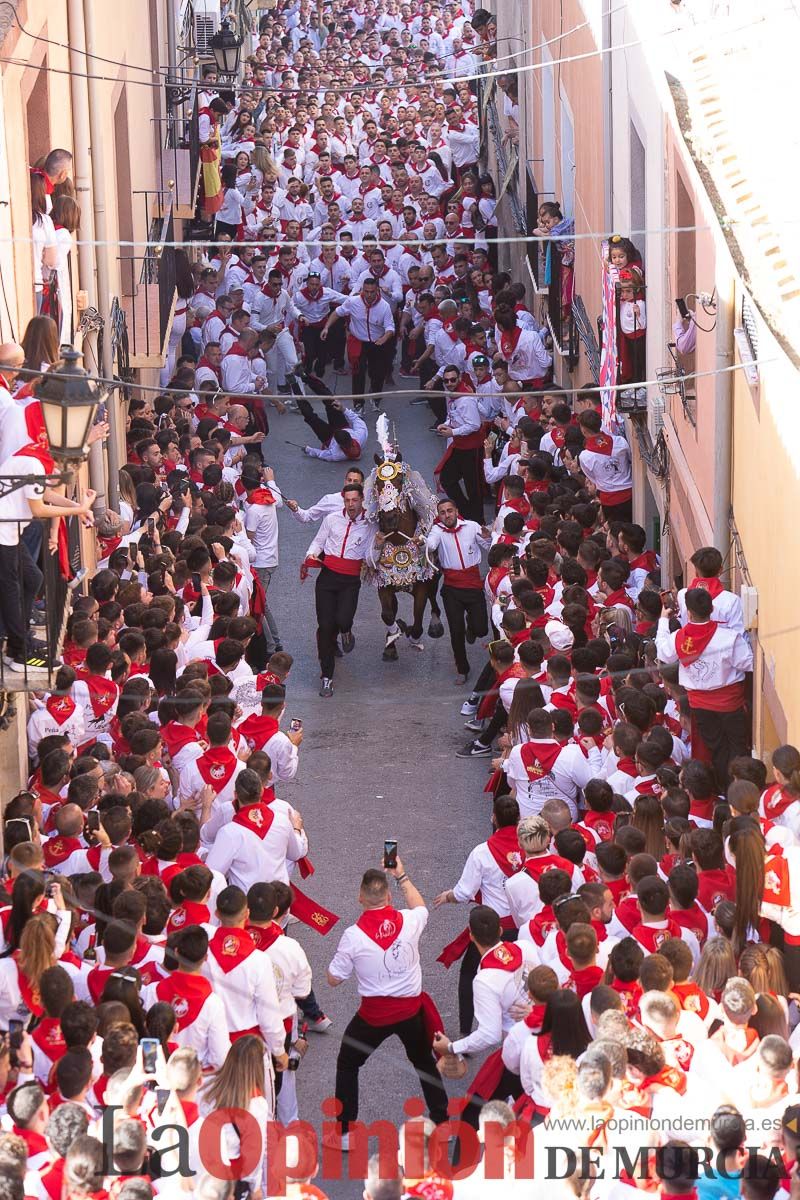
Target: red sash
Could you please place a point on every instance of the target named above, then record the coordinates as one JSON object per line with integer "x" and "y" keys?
{"x": 539, "y": 758}
{"x": 256, "y": 817}
{"x": 311, "y": 913}
{"x": 216, "y": 767}
{"x": 692, "y": 640}
{"x": 186, "y": 993}
{"x": 342, "y": 566}
{"x": 381, "y": 925}
{"x": 231, "y": 947}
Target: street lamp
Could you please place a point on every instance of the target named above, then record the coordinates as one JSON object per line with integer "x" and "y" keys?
{"x": 227, "y": 50}
{"x": 69, "y": 398}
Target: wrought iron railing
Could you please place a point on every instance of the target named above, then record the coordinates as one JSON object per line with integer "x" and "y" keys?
{"x": 178, "y": 135}
{"x": 144, "y": 276}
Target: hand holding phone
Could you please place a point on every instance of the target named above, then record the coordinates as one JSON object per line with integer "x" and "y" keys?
{"x": 296, "y": 724}
{"x": 390, "y": 854}
{"x": 149, "y": 1054}
{"x": 682, "y": 308}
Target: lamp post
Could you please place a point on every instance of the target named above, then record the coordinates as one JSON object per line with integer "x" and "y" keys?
{"x": 226, "y": 46}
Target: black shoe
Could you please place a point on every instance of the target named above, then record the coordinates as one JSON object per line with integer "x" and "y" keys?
{"x": 326, "y": 688}
{"x": 474, "y": 749}
{"x": 348, "y": 642}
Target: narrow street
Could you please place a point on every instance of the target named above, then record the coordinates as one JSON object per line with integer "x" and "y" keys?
{"x": 377, "y": 761}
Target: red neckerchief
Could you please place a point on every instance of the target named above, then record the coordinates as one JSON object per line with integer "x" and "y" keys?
{"x": 508, "y": 341}
{"x": 257, "y": 730}
{"x": 186, "y": 993}
{"x": 558, "y": 436}
{"x": 628, "y": 766}
{"x": 48, "y": 1037}
{"x": 35, "y": 1142}
{"x": 644, "y": 562}
{"x": 539, "y": 758}
{"x": 381, "y": 925}
{"x": 776, "y": 801}
{"x": 217, "y": 371}
{"x": 777, "y": 882}
{"x": 41, "y": 454}
{"x": 176, "y": 736}
{"x": 712, "y": 586}
{"x": 190, "y": 912}
{"x": 692, "y": 640}
{"x": 668, "y": 1077}
{"x": 264, "y": 935}
{"x": 601, "y": 823}
{"x": 60, "y": 708}
{"x": 52, "y": 1179}
{"x": 620, "y": 596}
{"x": 231, "y": 947}
{"x": 256, "y": 817}
{"x": 600, "y": 443}
{"x": 505, "y": 957}
{"x": 691, "y": 998}
{"x": 653, "y": 938}
{"x": 102, "y": 693}
{"x": 58, "y": 849}
{"x": 504, "y": 848}
{"x": 216, "y": 767}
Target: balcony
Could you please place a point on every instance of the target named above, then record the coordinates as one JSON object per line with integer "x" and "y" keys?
{"x": 149, "y": 293}
{"x": 558, "y": 313}
{"x": 179, "y": 159}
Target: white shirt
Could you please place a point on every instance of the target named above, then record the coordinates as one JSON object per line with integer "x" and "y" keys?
{"x": 482, "y": 874}
{"x": 15, "y": 510}
{"x": 494, "y": 992}
{"x": 244, "y": 858}
{"x": 261, "y": 520}
{"x": 457, "y": 548}
{"x": 342, "y": 538}
{"x": 726, "y": 610}
{"x": 608, "y": 472}
{"x": 367, "y": 324}
{"x": 570, "y": 772}
{"x": 248, "y": 991}
{"x": 725, "y": 660}
{"x": 207, "y": 1035}
{"x": 395, "y": 971}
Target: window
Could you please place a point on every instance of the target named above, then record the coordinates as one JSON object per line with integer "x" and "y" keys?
{"x": 638, "y": 185}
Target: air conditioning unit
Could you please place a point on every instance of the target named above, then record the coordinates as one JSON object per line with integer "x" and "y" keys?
{"x": 206, "y": 23}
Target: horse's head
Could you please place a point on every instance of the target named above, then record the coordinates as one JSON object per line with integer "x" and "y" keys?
{"x": 389, "y": 492}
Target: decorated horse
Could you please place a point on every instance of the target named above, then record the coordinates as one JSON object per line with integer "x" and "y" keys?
{"x": 399, "y": 499}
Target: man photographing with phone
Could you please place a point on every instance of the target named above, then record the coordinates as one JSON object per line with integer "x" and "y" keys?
{"x": 382, "y": 950}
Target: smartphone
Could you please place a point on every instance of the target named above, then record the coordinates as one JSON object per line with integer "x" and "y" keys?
{"x": 149, "y": 1054}
{"x": 15, "y": 1027}
{"x": 516, "y": 564}
{"x": 296, "y": 724}
{"x": 162, "y": 1096}
{"x": 196, "y": 584}
{"x": 93, "y": 820}
{"x": 680, "y": 304}
{"x": 151, "y": 526}
{"x": 50, "y": 888}
{"x": 241, "y": 1190}
{"x": 390, "y": 853}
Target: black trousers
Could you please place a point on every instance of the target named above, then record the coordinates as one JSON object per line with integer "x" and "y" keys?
{"x": 727, "y": 735}
{"x": 460, "y": 469}
{"x": 318, "y": 353}
{"x": 466, "y": 974}
{"x": 374, "y": 361}
{"x": 334, "y": 419}
{"x": 337, "y": 601}
{"x": 619, "y": 512}
{"x": 21, "y": 580}
{"x": 436, "y": 400}
{"x": 496, "y": 724}
{"x": 465, "y": 608}
{"x": 358, "y": 1042}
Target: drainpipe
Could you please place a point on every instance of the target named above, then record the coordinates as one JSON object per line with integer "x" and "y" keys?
{"x": 723, "y": 418}
{"x": 102, "y": 248}
{"x": 83, "y": 187}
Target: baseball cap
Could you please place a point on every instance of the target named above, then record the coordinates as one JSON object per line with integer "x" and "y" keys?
{"x": 559, "y": 635}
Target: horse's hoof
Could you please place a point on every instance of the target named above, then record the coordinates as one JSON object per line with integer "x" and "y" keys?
{"x": 435, "y": 628}
{"x": 390, "y": 653}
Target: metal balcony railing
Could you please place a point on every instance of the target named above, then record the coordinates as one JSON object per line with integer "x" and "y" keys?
{"x": 178, "y": 136}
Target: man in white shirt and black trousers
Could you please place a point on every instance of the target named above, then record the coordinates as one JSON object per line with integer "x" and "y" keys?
{"x": 371, "y": 332}
{"x": 458, "y": 547}
{"x": 339, "y": 548}
{"x": 460, "y": 469}
{"x": 382, "y": 950}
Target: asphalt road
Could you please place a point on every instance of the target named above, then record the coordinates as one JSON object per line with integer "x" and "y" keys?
{"x": 377, "y": 761}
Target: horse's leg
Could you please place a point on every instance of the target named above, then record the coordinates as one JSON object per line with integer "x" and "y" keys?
{"x": 419, "y": 593}
{"x": 435, "y": 626}
{"x": 388, "y": 599}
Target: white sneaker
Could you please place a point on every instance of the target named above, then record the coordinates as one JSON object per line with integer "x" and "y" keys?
{"x": 468, "y": 709}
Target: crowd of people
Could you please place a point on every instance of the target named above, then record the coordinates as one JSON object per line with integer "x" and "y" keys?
{"x": 629, "y": 970}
